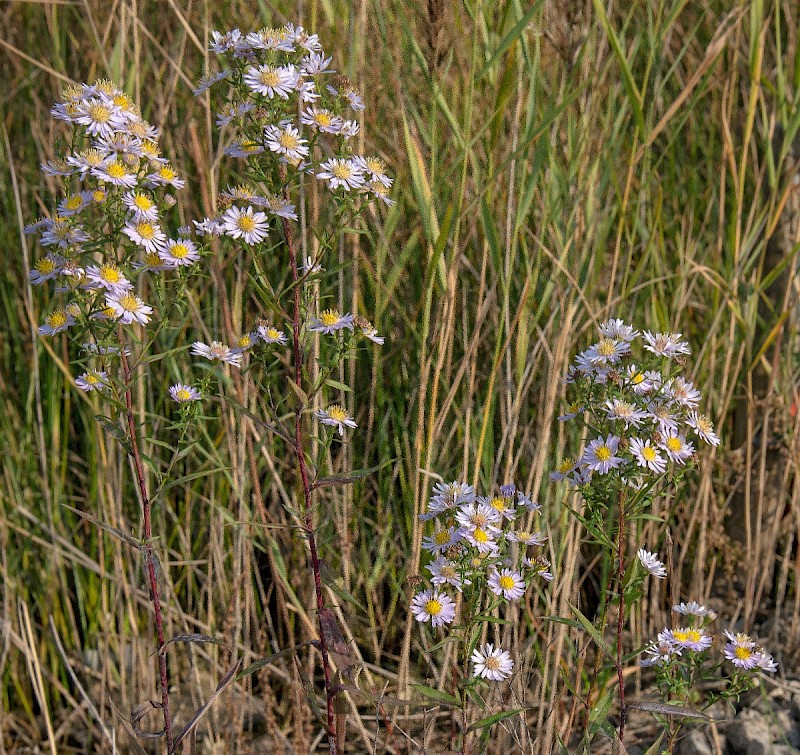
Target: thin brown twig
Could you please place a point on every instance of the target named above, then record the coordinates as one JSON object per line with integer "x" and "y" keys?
{"x": 147, "y": 548}
{"x": 621, "y": 615}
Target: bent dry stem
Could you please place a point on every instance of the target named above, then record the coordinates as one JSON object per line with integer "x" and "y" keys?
{"x": 146, "y": 546}
{"x": 301, "y": 461}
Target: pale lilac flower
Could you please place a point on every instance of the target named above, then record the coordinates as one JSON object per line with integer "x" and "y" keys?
{"x": 677, "y": 448}
{"x": 251, "y": 227}
{"x": 646, "y": 456}
{"x": 341, "y": 172}
{"x": 444, "y": 572}
{"x": 272, "y": 81}
{"x": 179, "y": 252}
{"x": 441, "y": 540}
{"x": 128, "y": 308}
{"x": 434, "y": 606}
{"x": 270, "y": 334}
{"x": 491, "y": 663}
{"x": 217, "y": 351}
{"x": 599, "y": 455}
{"x": 286, "y": 141}
{"x": 183, "y": 394}
{"x": 92, "y": 381}
{"x": 337, "y": 417}
{"x": 665, "y": 344}
{"x": 690, "y": 638}
{"x": 650, "y": 562}
{"x": 329, "y": 321}
{"x": 693, "y": 608}
{"x": 703, "y": 428}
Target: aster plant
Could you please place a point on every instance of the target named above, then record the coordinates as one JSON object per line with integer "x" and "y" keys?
{"x": 484, "y": 556}
{"x": 288, "y": 120}
{"x": 643, "y": 422}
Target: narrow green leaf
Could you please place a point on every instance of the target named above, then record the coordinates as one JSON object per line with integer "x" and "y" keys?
{"x": 495, "y": 717}
{"x": 438, "y": 695}
{"x": 509, "y": 39}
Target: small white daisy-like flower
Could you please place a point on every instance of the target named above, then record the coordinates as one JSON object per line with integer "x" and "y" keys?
{"x": 375, "y": 168}
{"x": 128, "y": 308}
{"x": 278, "y": 206}
{"x": 564, "y": 470}
{"x": 309, "y": 267}
{"x": 665, "y": 344}
{"x": 335, "y": 416}
{"x": 56, "y": 322}
{"x": 208, "y": 227}
{"x": 109, "y": 277}
{"x": 473, "y": 515}
{"x": 661, "y": 652}
{"x": 74, "y": 203}
{"x": 379, "y": 191}
{"x": 599, "y": 455}
{"x": 286, "y": 140}
{"x": 321, "y": 119}
{"x": 689, "y": 638}
{"x": 222, "y": 43}
{"x": 444, "y": 572}
{"x": 491, "y": 663}
{"x": 208, "y": 81}
{"x": 540, "y": 567}
{"x": 92, "y": 381}
{"x": 682, "y": 392}
{"x": 140, "y": 205}
{"x": 646, "y": 456}
{"x": 507, "y": 583}
{"x": 251, "y": 227}
{"x": 341, "y": 172}
{"x": 270, "y": 334}
{"x": 447, "y": 496}
{"x": 146, "y": 234}
{"x": 166, "y": 176}
{"x": 527, "y": 503}
{"x": 618, "y": 330}
{"x": 244, "y": 149}
{"x": 664, "y": 417}
{"x": 316, "y": 63}
{"x": 330, "y": 321}
{"x": 677, "y": 448}
{"x": 740, "y": 650}
{"x": 272, "y": 81}
{"x": 607, "y": 351}
{"x": 60, "y": 233}
{"x": 115, "y": 173}
{"x": 231, "y": 111}
{"x": 693, "y": 608}
{"x": 638, "y": 381}
{"x": 503, "y": 505}
{"x": 482, "y": 538}
{"x": 183, "y": 394}
{"x": 441, "y": 540}
{"x": 246, "y": 342}
{"x": 47, "y": 268}
{"x": 217, "y": 352}
{"x": 524, "y": 537}
{"x": 650, "y": 562}
{"x": 101, "y": 117}
{"x": 624, "y": 411}
{"x": 703, "y": 428}
{"x": 371, "y": 334}
{"x": 179, "y": 252}
{"x": 765, "y": 661}
{"x": 434, "y": 606}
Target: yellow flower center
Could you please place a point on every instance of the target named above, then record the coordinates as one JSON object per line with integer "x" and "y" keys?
{"x": 288, "y": 141}
{"x": 123, "y": 101}
{"x": 523, "y": 535}
{"x": 606, "y": 347}
{"x": 479, "y": 520}
{"x": 128, "y": 303}
{"x": 151, "y": 150}
{"x": 637, "y": 378}
{"x": 441, "y": 537}
{"x": 269, "y": 78}
{"x": 433, "y": 607}
{"x": 110, "y": 273}
{"x": 448, "y": 572}
{"x": 146, "y": 230}
{"x": 91, "y": 379}
{"x": 99, "y": 195}
{"x": 492, "y": 663}
{"x": 116, "y": 170}
{"x": 376, "y": 165}
{"x": 323, "y": 118}
{"x": 57, "y": 319}
{"x": 246, "y": 223}
{"x": 342, "y": 171}
{"x": 272, "y": 333}
{"x": 506, "y": 582}
{"x": 704, "y": 424}
{"x": 45, "y": 266}
{"x": 74, "y": 202}
{"x": 244, "y": 342}
{"x": 498, "y": 503}
{"x": 179, "y": 251}
{"x": 99, "y": 113}
{"x": 167, "y": 173}
{"x": 93, "y": 157}
{"x": 182, "y": 394}
{"x": 565, "y": 466}
{"x": 337, "y": 413}
{"x": 481, "y": 536}
{"x": 141, "y": 202}
{"x": 152, "y": 259}
{"x": 603, "y": 453}
{"x": 674, "y": 444}
{"x": 329, "y": 317}
{"x": 649, "y": 453}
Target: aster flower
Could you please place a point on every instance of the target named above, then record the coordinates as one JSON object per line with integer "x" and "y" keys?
{"x": 251, "y": 227}
{"x": 624, "y": 411}
{"x": 525, "y": 501}
{"x": 92, "y": 381}
{"x": 540, "y": 567}
{"x": 74, "y": 204}
{"x": 61, "y": 233}
{"x": 666, "y": 344}
{"x": 140, "y": 205}
{"x": 693, "y": 609}
{"x": 128, "y": 308}
{"x": 765, "y": 661}
{"x": 434, "y": 606}
{"x": 217, "y": 352}
{"x": 286, "y": 141}
{"x": 330, "y": 321}
{"x": 646, "y": 456}
{"x": 607, "y": 352}
{"x": 272, "y": 81}
{"x": 677, "y": 448}
{"x": 309, "y": 267}
{"x": 270, "y": 334}
{"x": 206, "y": 82}
{"x": 482, "y": 538}
{"x": 563, "y": 471}
{"x": 638, "y": 381}
{"x": 166, "y": 176}
{"x": 179, "y": 252}
{"x": 599, "y": 455}
{"x": 703, "y": 428}
{"x": 146, "y": 234}
{"x": 47, "y": 268}
{"x": 507, "y": 583}
{"x": 371, "y": 334}
{"x": 618, "y": 330}
{"x": 107, "y": 276}
{"x": 278, "y": 206}
{"x": 184, "y": 394}
{"x": 321, "y": 119}
{"x": 682, "y": 392}
{"x": 341, "y": 172}
{"x": 115, "y": 173}
{"x": 444, "y": 572}
{"x": 101, "y": 118}
{"x": 491, "y": 663}
{"x": 315, "y": 64}
{"x": 244, "y": 149}
{"x": 56, "y": 322}
{"x": 504, "y": 506}
{"x": 524, "y": 537}
{"x": 650, "y": 562}
{"x": 661, "y": 652}
{"x": 474, "y": 515}
{"x": 335, "y": 416}
{"x": 246, "y": 342}
{"x": 441, "y": 540}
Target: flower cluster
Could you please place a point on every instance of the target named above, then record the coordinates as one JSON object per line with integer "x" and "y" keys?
{"x": 693, "y": 638}
{"x": 107, "y": 233}
{"x": 480, "y": 548}
{"x": 643, "y": 414}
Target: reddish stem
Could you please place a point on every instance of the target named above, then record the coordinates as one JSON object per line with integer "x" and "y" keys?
{"x": 621, "y": 616}
{"x": 301, "y": 461}
{"x": 147, "y": 548}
